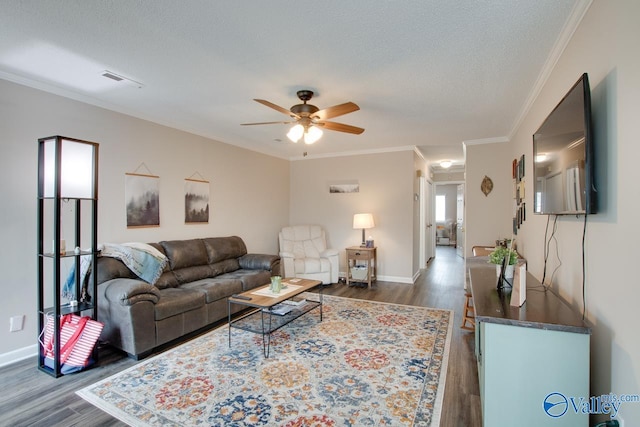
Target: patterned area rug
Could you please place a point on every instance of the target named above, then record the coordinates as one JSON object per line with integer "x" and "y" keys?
{"x": 365, "y": 364}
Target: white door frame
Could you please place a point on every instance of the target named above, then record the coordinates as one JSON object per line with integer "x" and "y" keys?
{"x": 427, "y": 236}
{"x": 422, "y": 263}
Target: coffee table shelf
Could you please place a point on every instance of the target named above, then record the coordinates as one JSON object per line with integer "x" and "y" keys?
{"x": 263, "y": 320}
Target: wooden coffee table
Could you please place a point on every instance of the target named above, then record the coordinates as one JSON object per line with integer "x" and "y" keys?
{"x": 265, "y": 320}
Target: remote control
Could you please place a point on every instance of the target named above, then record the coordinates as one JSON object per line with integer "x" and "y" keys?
{"x": 244, "y": 297}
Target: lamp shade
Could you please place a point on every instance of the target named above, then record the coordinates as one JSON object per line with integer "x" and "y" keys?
{"x": 295, "y": 133}
{"x": 363, "y": 220}
{"x": 312, "y": 134}
{"x": 71, "y": 165}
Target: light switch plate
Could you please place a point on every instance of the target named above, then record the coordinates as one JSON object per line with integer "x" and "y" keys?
{"x": 16, "y": 323}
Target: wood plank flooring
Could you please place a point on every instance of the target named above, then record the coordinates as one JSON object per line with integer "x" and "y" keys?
{"x": 32, "y": 398}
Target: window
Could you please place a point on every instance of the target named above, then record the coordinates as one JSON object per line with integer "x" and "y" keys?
{"x": 440, "y": 208}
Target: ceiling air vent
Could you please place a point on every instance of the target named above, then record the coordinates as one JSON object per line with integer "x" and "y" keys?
{"x": 121, "y": 79}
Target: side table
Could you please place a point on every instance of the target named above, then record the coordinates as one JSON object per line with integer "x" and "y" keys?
{"x": 358, "y": 255}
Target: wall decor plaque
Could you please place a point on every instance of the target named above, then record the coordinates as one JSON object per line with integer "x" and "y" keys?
{"x": 486, "y": 186}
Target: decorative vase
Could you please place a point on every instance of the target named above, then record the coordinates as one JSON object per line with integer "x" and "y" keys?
{"x": 508, "y": 274}
{"x": 276, "y": 284}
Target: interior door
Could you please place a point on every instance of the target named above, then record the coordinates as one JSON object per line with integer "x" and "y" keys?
{"x": 430, "y": 238}
{"x": 460, "y": 238}
{"x": 427, "y": 240}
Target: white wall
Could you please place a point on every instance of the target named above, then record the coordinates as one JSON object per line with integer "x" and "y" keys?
{"x": 605, "y": 46}
{"x": 249, "y": 191}
{"x": 386, "y": 190}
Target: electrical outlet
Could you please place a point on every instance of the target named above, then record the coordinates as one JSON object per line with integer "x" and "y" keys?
{"x": 16, "y": 323}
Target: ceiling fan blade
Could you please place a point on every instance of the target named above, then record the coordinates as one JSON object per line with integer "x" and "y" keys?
{"x": 335, "y": 111}
{"x": 340, "y": 127}
{"x": 265, "y": 123}
{"x": 277, "y": 108}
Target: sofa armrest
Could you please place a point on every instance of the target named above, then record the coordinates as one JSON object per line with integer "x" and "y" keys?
{"x": 129, "y": 291}
{"x": 286, "y": 255}
{"x": 259, "y": 262}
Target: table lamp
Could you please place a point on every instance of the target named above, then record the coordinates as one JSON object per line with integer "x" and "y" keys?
{"x": 363, "y": 220}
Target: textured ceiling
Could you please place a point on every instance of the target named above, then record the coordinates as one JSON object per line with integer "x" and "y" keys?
{"x": 426, "y": 73}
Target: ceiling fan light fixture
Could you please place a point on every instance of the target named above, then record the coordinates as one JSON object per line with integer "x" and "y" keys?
{"x": 295, "y": 133}
{"x": 312, "y": 134}
{"x": 309, "y": 120}
{"x": 445, "y": 164}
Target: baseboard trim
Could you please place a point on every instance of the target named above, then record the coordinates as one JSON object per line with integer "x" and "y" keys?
{"x": 18, "y": 355}
{"x": 398, "y": 279}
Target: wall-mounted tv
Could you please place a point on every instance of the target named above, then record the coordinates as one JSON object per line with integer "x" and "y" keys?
{"x": 563, "y": 157}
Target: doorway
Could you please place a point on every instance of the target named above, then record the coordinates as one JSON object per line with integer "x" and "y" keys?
{"x": 448, "y": 219}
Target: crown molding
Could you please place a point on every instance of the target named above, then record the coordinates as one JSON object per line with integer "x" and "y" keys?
{"x": 494, "y": 140}
{"x": 578, "y": 12}
{"x": 359, "y": 153}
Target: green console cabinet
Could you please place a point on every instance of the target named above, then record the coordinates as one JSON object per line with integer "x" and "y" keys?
{"x": 533, "y": 361}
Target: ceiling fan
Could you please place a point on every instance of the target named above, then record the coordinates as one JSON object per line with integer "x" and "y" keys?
{"x": 308, "y": 120}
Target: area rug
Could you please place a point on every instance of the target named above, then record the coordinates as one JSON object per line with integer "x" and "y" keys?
{"x": 364, "y": 364}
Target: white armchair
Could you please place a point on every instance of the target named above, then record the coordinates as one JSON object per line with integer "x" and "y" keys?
{"x": 304, "y": 254}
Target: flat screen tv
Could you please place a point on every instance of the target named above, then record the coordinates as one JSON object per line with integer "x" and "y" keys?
{"x": 564, "y": 158}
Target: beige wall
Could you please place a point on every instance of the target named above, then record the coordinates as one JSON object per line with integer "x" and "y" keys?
{"x": 386, "y": 190}
{"x": 488, "y": 218}
{"x": 249, "y": 191}
{"x": 605, "y": 45}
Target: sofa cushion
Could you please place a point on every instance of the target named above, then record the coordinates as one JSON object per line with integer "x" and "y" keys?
{"x": 159, "y": 247}
{"x": 214, "y": 289}
{"x": 185, "y": 253}
{"x": 167, "y": 280}
{"x": 111, "y": 268}
{"x": 175, "y": 301}
{"x": 250, "y": 278}
{"x": 222, "y": 248}
{"x": 189, "y": 274}
{"x": 226, "y": 266}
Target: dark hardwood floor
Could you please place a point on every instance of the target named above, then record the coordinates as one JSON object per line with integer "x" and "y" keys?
{"x": 32, "y": 398}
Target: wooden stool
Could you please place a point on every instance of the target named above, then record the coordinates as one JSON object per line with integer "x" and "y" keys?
{"x": 469, "y": 315}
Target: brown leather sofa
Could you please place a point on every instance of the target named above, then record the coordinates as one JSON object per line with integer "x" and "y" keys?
{"x": 191, "y": 293}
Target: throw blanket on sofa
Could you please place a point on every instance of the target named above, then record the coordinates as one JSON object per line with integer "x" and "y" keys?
{"x": 144, "y": 260}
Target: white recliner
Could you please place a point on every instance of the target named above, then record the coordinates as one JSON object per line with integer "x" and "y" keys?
{"x": 304, "y": 254}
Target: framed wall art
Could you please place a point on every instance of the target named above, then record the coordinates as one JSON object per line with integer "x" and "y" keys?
{"x": 196, "y": 201}
{"x": 142, "y": 200}
{"x": 344, "y": 187}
